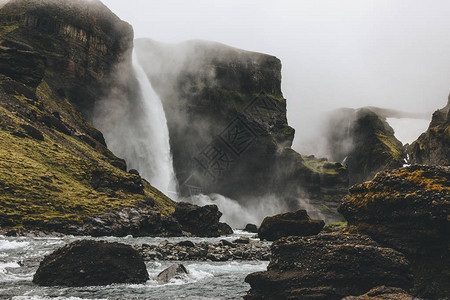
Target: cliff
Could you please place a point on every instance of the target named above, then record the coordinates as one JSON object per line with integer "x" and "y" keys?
{"x": 364, "y": 141}
{"x": 56, "y": 171}
{"x": 228, "y": 128}
{"x": 433, "y": 146}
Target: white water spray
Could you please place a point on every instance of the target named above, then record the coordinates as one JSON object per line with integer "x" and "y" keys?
{"x": 155, "y": 159}
{"x": 136, "y": 130}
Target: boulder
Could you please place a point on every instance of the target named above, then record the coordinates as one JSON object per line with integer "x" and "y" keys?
{"x": 296, "y": 223}
{"x": 225, "y": 229}
{"x": 408, "y": 209}
{"x": 199, "y": 220}
{"x": 89, "y": 263}
{"x": 251, "y": 228}
{"x": 175, "y": 271}
{"x": 383, "y": 293}
{"x": 328, "y": 266}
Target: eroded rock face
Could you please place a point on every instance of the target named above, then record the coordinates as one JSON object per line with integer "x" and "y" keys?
{"x": 238, "y": 140}
{"x": 433, "y": 146}
{"x": 292, "y": 223}
{"x": 89, "y": 263}
{"x": 407, "y": 209}
{"x": 328, "y": 266}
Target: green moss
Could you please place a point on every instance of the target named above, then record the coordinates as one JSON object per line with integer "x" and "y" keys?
{"x": 52, "y": 179}
{"x": 336, "y": 226}
{"x": 395, "y": 149}
{"x": 4, "y": 30}
{"x": 322, "y": 166}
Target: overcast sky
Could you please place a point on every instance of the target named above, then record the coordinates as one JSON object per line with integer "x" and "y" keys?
{"x": 335, "y": 53}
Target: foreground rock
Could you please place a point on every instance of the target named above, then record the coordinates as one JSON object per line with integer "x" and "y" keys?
{"x": 328, "y": 266}
{"x": 176, "y": 271}
{"x": 408, "y": 209}
{"x": 292, "y": 223}
{"x": 89, "y": 263}
{"x": 241, "y": 249}
{"x": 383, "y": 293}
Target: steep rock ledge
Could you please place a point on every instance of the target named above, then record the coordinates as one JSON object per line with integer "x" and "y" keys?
{"x": 238, "y": 139}
{"x": 433, "y": 146}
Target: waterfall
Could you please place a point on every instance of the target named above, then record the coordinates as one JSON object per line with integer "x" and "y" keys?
{"x": 155, "y": 161}
{"x": 135, "y": 129}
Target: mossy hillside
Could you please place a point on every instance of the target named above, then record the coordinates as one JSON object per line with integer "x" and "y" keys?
{"x": 53, "y": 179}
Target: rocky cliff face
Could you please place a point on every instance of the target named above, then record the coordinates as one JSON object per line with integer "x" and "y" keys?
{"x": 408, "y": 209}
{"x": 398, "y": 236}
{"x": 228, "y": 127}
{"x": 56, "y": 60}
{"x": 433, "y": 146}
{"x": 364, "y": 141}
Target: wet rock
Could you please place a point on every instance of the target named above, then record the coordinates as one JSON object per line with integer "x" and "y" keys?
{"x": 186, "y": 244}
{"x": 225, "y": 229}
{"x": 292, "y": 223}
{"x": 88, "y": 263}
{"x": 221, "y": 251}
{"x": 383, "y": 293}
{"x": 328, "y": 266}
{"x": 407, "y": 209}
{"x": 251, "y": 228}
{"x": 176, "y": 271}
{"x": 242, "y": 240}
{"x": 198, "y": 220}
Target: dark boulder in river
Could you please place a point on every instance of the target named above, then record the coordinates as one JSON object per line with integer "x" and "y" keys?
{"x": 174, "y": 271}
{"x": 89, "y": 263}
{"x": 296, "y": 223}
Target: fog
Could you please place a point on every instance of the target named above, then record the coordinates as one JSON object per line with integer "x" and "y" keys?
{"x": 383, "y": 53}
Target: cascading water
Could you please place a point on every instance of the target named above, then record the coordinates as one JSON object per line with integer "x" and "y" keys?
{"x": 135, "y": 129}
{"x": 155, "y": 160}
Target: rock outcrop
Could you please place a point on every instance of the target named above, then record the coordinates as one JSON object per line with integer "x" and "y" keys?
{"x": 251, "y": 228}
{"x": 433, "y": 146}
{"x": 328, "y": 266}
{"x": 238, "y": 140}
{"x": 363, "y": 141}
{"x": 408, "y": 209}
{"x": 383, "y": 293}
{"x": 88, "y": 263}
{"x": 289, "y": 224}
{"x": 200, "y": 220}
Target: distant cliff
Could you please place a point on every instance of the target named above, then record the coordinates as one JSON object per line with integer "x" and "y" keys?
{"x": 228, "y": 128}
{"x": 364, "y": 141}
{"x": 433, "y": 146}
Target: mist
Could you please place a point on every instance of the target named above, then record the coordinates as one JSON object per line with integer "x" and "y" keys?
{"x": 391, "y": 54}
{"x": 238, "y": 215}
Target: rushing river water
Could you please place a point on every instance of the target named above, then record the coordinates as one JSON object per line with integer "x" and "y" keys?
{"x": 20, "y": 257}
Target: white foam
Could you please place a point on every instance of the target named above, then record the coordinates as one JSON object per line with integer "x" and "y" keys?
{"x": 53, "y": 298}
{"x": 9, "y": 245}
